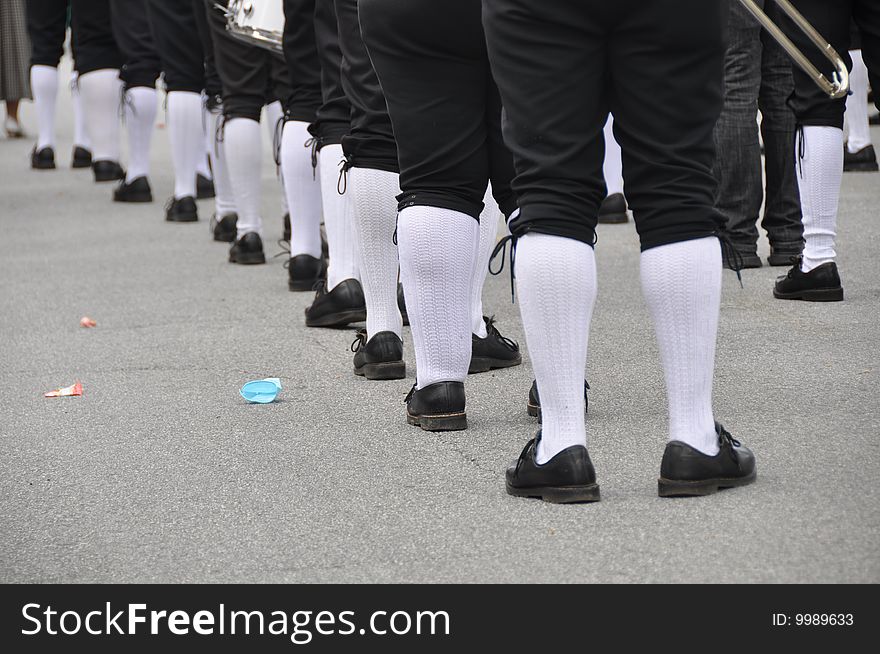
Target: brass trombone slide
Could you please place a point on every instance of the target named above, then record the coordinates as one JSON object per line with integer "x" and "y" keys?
{"x": 838, "y": 85}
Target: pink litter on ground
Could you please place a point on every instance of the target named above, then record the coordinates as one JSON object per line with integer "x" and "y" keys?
{"x": 85, "y": 321}
{"x": 68, "y": 391}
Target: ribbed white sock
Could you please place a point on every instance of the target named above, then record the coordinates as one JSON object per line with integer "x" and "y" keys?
{"x": 303, "y": 189}
{"x": 612, "y": 167}
{"x": 857, "y": 105}
{"x": 556, "y": 289}
{"x": 375, "y": 203}
{"x": 241, "y": 139}
{"x": 682, "y": 286}
{"x": 338, "y": 218}
{"x": 80, "y": 134}
{"x": 488, "y": 233}
{"x": 224, "y": 200}
{"x": 437, "y": 252}
{"x": 140, "y": 117}
{"x": 101, "y": 92}
{"x": 187, "y": 141}
{"x": 44, "y": 85}
{"x": 820, "y": 172}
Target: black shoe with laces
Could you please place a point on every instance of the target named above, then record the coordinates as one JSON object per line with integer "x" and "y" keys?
{"x": 381, "y": 357}
{"x": 138, "y": 190}
{"x": 821, "y": 284}
{"x": 494, "y": 351}
{"x": 864, "y": 161}
{"x": 567, "y": 478}
{"x": 43, "y": 159}
{"x": 247, "y": 250}
{"x": 304, "y": 271}
{"x": 438, "y": 407}
{"x": 204, "y": 187}
{"x": 613, "y": 209}
{"x": 534, "y": 406}
{"x": 224, "y": 230}
{"x": 107, "y": 171}
{"x": 342, "y": 305}
{"x": 82, "y": 158}
{"x": 181, "y": 210}
{"x": 401, "y": 304}
{"x": 686, "y": 471}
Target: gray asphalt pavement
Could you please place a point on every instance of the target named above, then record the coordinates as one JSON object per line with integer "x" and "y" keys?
{"x": 160, "y": 472}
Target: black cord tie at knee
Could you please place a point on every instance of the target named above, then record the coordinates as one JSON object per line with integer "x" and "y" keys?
{"x": 733, "y": 255}
{"x": 345, "y": 165}
{"x": 501, "y": 247}
{"x": 313, "y": 143}
{"x": 276, "y": 142}
{"x": 802, "y": 149}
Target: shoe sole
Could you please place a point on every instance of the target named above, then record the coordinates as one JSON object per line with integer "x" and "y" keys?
{"x": 671, "y": 488}
{"x": 135, "y": 199}
{"x": 382, "y": 371}
{"x": 861, "y": 168}
{"x": 81, "y": 164}
{"x": 814, "y": 295}
{"x": 559, "y": 494}
{"x": 185, "y": 218}
{"x": 439, "y": 422}
{"x": 613, "y": 218}
{"x": 340, "y": 319}
{"x": 485, "y": 364}
{"x": 249, "y": 259}
{"x": 107, "y": 178}
{"x": 42, "y": 167}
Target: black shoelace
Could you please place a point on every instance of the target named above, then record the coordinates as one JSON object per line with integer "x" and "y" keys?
{"x": 492, "y": 331}
{"x": 726, "y": 441}
{"x": 522, "y": 457}
{"x": 410, "y": 394}
{"x": 501, "y": 247}
{"x": 360, "y": 339}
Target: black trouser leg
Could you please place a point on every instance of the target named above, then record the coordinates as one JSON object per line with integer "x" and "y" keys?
{"x": 431, "y": 61}
{"x": 96, "y": 48}
{"x": 175, "y": 34}
{"x": 131, "y": 29}
{"x": 213, "y": 88}
{"x": 46, "y": 26}
{"x": 333, "y": 120}
{"x": 301, "y": 57}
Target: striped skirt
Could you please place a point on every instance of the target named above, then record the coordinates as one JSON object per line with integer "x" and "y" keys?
{"x": 15, "y": 51}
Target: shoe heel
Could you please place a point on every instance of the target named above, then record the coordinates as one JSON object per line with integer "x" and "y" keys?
{"x": 479, "y": 364}
{"x": 824, "y": 295}
{"x": 385, "y": 370}
{"x": 559, "y": 494}
{"x": 447, "y": 422}
{"x": 533, "y": 410}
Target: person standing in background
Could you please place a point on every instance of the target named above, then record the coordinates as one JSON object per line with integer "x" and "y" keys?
{"x": 859, "y": 155}
{"x": 14, "y": 62}
{"x": 757, "y": 76}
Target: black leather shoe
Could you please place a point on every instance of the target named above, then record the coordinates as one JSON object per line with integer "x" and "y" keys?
{"x": 82, "y": 158}
{"x": 379, "y": 358}
{"x": 494, "y": 351}
{"x": 224, "y": 230}
{"x": 401, "y": 304}
{"x": 337, "y": 308}
{"x": 613, "y": 209}
{"x": 438, "y": 407}
{"x": 821, "y": 284}
{"x": 534, "y": 406}
{"x": 43, "y": 159}
{"x": 247, "y": 250}
{"x": 107, "y": 171}
{"x": 138, "y": 190}
{"x": 874, "y": 120}
{"x": 784, "y": 255}
{"x": 865, "y": 160}
{"x": 181, "y": 210}
{"x": 204, "y": 187}
{"x": 567, "y": 478}
{"x": 286, "y": 232}
{"x": 687, "y": 471}
{"x": 304, "y": 271}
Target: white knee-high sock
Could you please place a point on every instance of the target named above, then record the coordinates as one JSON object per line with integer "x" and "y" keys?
{"x": 140, "y": 117}
{"x": 820, "y": 172}
{"x": 338, "y": 218}
{"x": 488, "y": 233}
{"x": 556, "y": 288}
{"x": 857, "y": 105}
{"x": 224, "y": 200}
{"x": 437, "y": 252}
{"x": 187, "y": 141}
{"x": 101, "y": 92}
{"x": 613, "y": 164}
{"x": 303, "y": 189}
{"x": 44, "y": 84}
{"x": 80, "y": 133}
{"x": 375, "y": 205}
{"x": 203, "y": 167}
{"x": 682, "y": 286}
{"x": 241, "y": 140}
